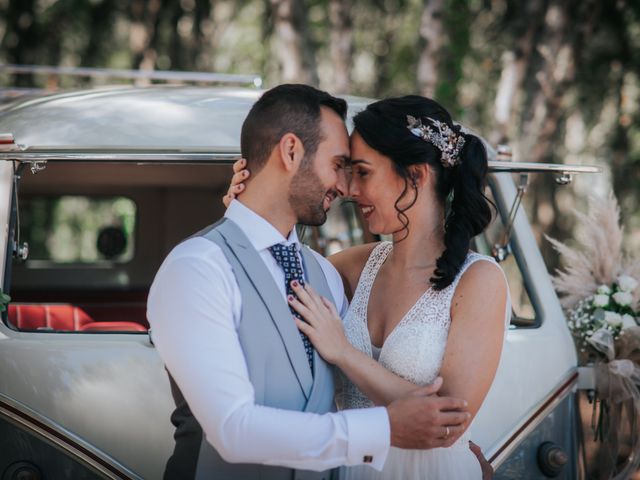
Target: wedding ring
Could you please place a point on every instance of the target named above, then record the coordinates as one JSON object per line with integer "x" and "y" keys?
{"x": 446, "y": 434}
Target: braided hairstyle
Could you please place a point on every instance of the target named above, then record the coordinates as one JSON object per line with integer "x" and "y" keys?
{"x": 383, "y": 126}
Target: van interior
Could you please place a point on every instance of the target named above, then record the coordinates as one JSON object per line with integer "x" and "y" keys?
{"x": 98, "y": 232}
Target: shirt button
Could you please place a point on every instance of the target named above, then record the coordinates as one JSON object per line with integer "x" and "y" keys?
{"x": 367, "y": 459}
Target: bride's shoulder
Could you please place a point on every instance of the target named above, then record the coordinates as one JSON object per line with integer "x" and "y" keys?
{"x": 480, "y": 281}
{"x": 350, "y": 262}
{"x": 478, "y": 268}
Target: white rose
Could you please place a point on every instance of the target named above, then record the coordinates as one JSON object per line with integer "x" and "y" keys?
{"x": 628, "y": 321}
{"x": 622, "y": 298}
{"x": 612, "y": 318}
{"x": 627, "y": 283}
{"x": 604, "y": 290}
{"x": 601, "y": 300}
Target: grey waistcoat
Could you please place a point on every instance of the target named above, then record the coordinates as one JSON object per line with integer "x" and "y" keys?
{"x": 276, "y": 360}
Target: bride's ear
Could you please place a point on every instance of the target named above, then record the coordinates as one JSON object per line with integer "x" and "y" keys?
{"x": 420, "y": 174}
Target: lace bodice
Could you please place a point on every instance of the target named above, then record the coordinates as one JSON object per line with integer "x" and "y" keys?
{"x": 415, "y": 347}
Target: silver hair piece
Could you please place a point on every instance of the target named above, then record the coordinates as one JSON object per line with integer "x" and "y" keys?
{"x": 442, "y": 137}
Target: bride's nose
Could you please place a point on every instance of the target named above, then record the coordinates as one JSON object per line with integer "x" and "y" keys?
{"x": 354, "y": 190}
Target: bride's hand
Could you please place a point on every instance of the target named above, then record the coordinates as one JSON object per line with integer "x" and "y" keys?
{"x": 240, "y": 175}
{"x": 323, "y": 324}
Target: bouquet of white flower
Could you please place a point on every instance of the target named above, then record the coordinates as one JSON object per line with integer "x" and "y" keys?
{"x": 598, "y": 284}
{"x": 609, "y": 308}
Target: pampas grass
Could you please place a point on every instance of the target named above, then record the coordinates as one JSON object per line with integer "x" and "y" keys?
{"x": 598, "y": 258}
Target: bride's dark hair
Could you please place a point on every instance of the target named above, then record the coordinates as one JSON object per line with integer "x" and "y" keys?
{"x": 383, "y": 126}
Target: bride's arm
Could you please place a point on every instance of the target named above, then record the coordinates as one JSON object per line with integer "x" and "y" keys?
{"x": 324, "y": 328}
{"x": 476, "y": 334}
{"x": 473, "y": 346}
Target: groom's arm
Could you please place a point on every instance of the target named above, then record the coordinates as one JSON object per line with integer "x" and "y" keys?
{"x": 193, "y": 307}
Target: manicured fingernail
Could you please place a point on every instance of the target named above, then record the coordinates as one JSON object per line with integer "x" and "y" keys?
{"x": 245, "y": 173}
{"x": 290, "y": 298}
{"x": 295, "y": 283}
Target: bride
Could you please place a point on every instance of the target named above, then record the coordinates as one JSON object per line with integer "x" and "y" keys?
{"x": 422, "y": 306}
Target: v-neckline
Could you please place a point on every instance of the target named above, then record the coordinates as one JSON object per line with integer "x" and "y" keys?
{"x": 375, "y": 269}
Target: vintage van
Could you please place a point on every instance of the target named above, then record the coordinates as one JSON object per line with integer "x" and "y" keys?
{"x": 97, "y": 186}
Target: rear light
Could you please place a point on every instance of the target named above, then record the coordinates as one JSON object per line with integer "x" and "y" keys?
{"x": 7, "y": 139}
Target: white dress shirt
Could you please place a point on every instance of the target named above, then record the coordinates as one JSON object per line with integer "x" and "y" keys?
{"x": 194, "y": 309}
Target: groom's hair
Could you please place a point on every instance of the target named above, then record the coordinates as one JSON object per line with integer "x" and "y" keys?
{"x": 288, "y": 108}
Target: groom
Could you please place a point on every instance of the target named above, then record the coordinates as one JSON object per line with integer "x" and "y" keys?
{"x": 253, "y": 398}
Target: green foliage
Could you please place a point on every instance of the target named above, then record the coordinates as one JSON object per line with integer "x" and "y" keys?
{"x": 4, "y": 301}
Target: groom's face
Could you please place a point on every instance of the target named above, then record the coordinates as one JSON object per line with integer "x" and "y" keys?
{"x": 321, "y": 177}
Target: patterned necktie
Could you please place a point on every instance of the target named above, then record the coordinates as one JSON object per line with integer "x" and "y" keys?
{"x": 287, "y": 258}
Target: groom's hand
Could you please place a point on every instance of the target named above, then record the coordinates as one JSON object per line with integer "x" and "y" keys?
{"x": 424, "y": 420}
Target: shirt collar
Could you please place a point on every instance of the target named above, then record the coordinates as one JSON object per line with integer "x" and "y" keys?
{"x": 259, "y": 231}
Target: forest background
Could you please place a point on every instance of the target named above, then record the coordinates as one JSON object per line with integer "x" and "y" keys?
{"x": 558, "y": 81}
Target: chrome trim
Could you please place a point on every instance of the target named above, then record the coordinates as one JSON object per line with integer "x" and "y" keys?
{"x": 231, "y": 155}
{"x": 531, "y": 420}
{"x": 498, "y": 166}
{"x": 122, "y": 157}
{"x": 167, "y": 75}
{"x": 64, "y": 440}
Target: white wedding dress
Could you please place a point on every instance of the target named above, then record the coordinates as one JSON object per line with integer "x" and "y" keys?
{"x": 413, "y": 350}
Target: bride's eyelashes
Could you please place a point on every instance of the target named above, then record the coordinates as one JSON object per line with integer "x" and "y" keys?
{"x": 360, "y": 172}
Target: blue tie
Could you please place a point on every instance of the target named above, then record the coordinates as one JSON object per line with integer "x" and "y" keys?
{"x": 287, "y": 258}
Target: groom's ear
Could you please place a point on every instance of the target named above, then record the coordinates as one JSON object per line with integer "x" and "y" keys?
{"x": 290, "y": 152}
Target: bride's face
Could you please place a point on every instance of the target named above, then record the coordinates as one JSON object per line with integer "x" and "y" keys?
{"x": 375, "y": 187}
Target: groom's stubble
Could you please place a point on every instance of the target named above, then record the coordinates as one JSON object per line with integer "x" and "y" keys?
{"x": 306, "y": 194}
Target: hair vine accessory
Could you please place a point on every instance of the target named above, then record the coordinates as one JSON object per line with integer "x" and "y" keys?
{"x": 442, "y": 137}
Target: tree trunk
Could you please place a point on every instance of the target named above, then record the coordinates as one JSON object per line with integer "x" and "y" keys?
{"x": 143, "y": 32}
{"x": 625, "y": 167}
{"x": 562, "y": 35}
{"x": 21, "y": 38}
{"x": 382, "y": 63}
{"x": 202, "y": 36}
{"x": 341, "y": 46}
{"x": 101, "y": 18}
{"x": 515, "y": 63}
{"x": 567, "y": 26}
{"x": 432, "y": 39}
{"x": 294, "y": 49}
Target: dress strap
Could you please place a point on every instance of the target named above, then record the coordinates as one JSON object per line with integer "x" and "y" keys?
{"x": 360, "y": 298}
{"x": 473, "y": 257}
{"x": 376, "y": 258}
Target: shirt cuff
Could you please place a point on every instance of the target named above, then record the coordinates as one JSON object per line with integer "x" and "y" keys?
{"x": 369, "y": 436}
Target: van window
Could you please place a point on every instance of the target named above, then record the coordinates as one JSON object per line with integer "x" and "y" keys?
{"x": 71, "y": 229}
{"x": 523, "y": 311}
{"x": 97, "y": 234}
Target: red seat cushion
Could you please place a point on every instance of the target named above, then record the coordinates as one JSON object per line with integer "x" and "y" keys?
{"x": 113, "y": 327}
{"x": 64, "y": 317}
{"x": 50, "y": 316}
{"x": 27, "y": 317}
